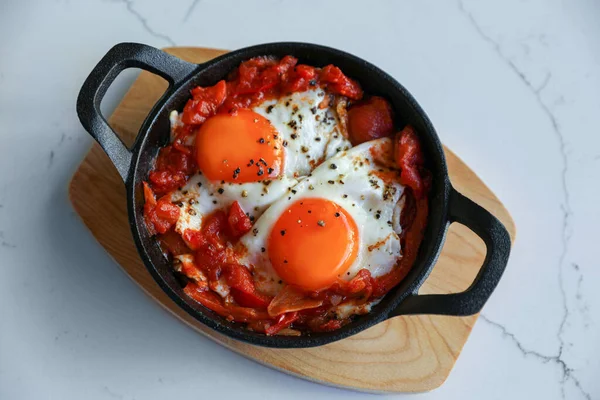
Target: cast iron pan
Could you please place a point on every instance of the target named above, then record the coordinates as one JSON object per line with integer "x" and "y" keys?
{"x": 446, "y": 204}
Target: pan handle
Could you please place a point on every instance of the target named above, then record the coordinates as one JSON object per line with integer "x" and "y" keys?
{"x": 119, "y": 58}
{"x": 471, "y": 301}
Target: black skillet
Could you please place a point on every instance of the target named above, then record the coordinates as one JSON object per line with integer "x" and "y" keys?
{"x": 446, "y": 204}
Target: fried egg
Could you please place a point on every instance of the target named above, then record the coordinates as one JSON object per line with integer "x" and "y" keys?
{"x": 254, "y": 156}
{"x": 343, "y": 217}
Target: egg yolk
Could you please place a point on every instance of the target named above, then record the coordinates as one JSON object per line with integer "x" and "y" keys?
{"x": 239, "y": 147}
{"x": 313, "y": 243}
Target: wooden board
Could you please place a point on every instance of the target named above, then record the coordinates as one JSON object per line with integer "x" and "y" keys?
{"x": 406, "y": 354}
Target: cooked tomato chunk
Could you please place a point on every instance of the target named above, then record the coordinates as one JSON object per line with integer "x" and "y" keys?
{"x": 409, "y": 158}
{"x": 370, "y": 119}
{"x": 239, "y": 222}
{"x": 161, "y": 215}
{"x": 204, "y": 103}
{"x": 339, "y": 83}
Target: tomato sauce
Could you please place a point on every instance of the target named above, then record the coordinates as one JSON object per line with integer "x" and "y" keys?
{"x": 214, "y": 265}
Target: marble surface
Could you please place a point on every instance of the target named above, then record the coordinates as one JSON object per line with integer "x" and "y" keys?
{"x": 512, "y": 87}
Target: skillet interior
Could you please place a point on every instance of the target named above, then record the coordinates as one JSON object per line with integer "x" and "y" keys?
{"x": 375, "y": 82}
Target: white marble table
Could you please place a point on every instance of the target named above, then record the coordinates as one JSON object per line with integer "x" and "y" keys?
{"x": 513, "y": 87}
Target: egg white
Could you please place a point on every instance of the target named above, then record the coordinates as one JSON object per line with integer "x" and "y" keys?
{"x": 350, "y": 180}
{"x": 311, "y": 135}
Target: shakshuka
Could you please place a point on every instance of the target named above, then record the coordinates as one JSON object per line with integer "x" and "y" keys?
{"x": 287, "y": 199}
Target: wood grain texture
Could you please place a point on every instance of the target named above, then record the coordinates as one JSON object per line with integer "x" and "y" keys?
{"x": 405, "y": 354}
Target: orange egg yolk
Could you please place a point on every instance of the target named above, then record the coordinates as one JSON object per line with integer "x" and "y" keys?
{"x": 239, "y": 147}
{"x": 313, "y": 243}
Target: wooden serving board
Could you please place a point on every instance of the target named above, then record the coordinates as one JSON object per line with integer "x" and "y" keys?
{"x": 405, "y": 354}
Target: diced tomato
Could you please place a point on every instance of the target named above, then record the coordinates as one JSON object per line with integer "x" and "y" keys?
{"x": 166, "y": 181}
{"x": 174, "y": 160}
{"x": 242, "y": 286}
{"x": 209, "y": 243}
{"x": 210, "y": 257}
{"x": 193, "y": 239}
{"x": 409, "y": 158}
{"x": 370, "y": 119}
{"x": 239, "y": 222}
{"x": 164, "y": 216}
{"x": 167, "y": 211}
{"x": 204, "y": 103}
{"x": 239, "y": 277}
{"x": 216, "y": 227}
{"x": 254, "y": 300}
{"x": 172, "y": 170}
{"x": 181, "y": 141}
{"x": 161, "y": 215}
{"x": 286, "y": 64}
{"x": 254, "y": 75}
{"x": 300, "y": 79}
{"x": 339, "y": 83}
{"x": 283, "y": 322}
